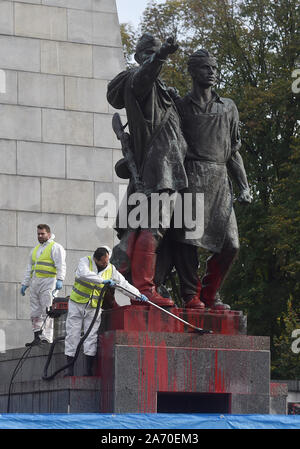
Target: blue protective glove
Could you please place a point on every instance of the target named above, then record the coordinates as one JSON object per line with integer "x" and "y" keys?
{"x": 143, "y": 298}
{"x": 59, "y": 284}
{"x": 109, "y": 282}
{"x": 23, "y": 289}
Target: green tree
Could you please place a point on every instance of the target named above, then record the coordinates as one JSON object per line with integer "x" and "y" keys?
{"x": 286, "y": 364}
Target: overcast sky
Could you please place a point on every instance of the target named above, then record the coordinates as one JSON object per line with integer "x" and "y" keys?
{"x": 132, "y": 10}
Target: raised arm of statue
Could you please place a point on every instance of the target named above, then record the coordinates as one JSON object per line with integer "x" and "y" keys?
{"x": 151, "y": 60}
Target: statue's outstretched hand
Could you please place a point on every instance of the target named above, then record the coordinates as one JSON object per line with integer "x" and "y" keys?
{"x": 168, "y": 48}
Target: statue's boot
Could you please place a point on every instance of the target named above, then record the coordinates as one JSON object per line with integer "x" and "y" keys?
{"x": 217, "y": 267}
{"x": 143, "y": 270}
{"x": 186, "y": 262}
{"x": 194, "y": 302}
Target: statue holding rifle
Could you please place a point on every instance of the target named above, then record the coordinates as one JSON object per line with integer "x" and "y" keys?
{"x": 154, "y": 153}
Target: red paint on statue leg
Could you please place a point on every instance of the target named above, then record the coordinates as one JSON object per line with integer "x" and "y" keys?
{"x": 212, "y": 280}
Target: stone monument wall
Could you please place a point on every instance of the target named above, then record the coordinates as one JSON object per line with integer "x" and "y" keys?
{"x": 57, "y": 147}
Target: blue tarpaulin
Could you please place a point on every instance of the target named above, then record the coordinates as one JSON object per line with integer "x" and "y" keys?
{"x": 147, "y": 421}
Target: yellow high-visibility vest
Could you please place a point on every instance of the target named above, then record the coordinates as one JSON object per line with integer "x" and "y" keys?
{"x": 83, "y": 291}
{"x": 44, "y": 266}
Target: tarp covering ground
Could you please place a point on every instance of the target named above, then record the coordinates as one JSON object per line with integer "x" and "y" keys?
{"x": 147, "y": 421}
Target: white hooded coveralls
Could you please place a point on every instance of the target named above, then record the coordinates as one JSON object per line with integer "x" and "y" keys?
{"x": 41, "y": 289}
{"x": 81, "y": 315}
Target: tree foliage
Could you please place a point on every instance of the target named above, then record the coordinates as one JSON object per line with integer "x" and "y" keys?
{"x": 286, "y": 365}
{"x": 256, "y": 43}
{"x": 128, "y": 41}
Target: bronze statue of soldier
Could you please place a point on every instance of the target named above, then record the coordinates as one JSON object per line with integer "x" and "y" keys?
{"x": 157, "y": 151}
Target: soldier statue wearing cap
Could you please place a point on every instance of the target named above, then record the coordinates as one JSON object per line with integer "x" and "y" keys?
{"x": 158, "y": 151}
{"x": 211, "y": 129}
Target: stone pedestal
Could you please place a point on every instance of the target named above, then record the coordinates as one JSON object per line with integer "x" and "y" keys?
{"x": 278, "y": 398}
{"x": 150, "y": 362}
{"x": 148, "y": 318}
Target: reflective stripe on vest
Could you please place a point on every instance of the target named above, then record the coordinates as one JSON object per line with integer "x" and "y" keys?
{"x": 83, "y": 291}
{"x": 44, "y": 266}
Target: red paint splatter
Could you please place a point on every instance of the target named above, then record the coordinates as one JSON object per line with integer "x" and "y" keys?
{"x": 150, "y": 319}
{"x": 217, "y": 383}
{"x": 153, "y": 374}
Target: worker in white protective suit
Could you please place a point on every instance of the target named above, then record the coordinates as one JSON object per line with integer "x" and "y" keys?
{"x": 45, "y": 272}
{"x": 93, "y": 272}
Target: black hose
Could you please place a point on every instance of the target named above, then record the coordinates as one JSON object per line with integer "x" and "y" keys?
{"x": 82, "y": 340}
{"x": 15, "y": 372}
{"x": 18, "y": 367}
{"x": 50, "y": 354}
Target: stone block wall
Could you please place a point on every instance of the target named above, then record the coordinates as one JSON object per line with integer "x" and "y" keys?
{"x": 57, "y": 147}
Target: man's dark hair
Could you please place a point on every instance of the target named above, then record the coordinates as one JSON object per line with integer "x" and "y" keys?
{"x": 44, "y": 226}
{"x": 100, "y": 252}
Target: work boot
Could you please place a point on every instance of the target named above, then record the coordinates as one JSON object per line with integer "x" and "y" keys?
{"x": 70, "y": 369}
{"x": 143, "y": 270}
{"x": 89, "y": 362}
{"x": 36, "y": 341}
